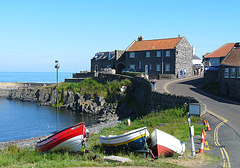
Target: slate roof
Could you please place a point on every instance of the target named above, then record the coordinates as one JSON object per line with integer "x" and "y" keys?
{"x": 222, "y": 51}
{"x": 158, "y": 44}
{"x": 104, "y": 55}
{"x": 196, "y": 57}
{"x": 233, "y": 59}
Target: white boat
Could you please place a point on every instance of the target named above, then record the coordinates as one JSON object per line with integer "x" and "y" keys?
{"x": 166, "y": 144}
{"x": 134, "y": 140}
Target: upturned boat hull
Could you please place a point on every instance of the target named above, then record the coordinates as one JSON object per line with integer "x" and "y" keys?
{"x": 69, "y": 139}
{"x": 133, "y": 140}
{"x": 166, "y": 144}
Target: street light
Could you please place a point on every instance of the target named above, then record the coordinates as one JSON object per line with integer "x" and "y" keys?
{"x": 57, "y": 67}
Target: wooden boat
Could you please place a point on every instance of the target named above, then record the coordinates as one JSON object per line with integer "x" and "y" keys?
{"x": 69, "y": 139}
{"x": 134, "y": 140}
{"x": 166, "y": 144}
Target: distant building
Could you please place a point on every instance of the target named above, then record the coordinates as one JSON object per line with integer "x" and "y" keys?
{"x": 103, "y": 60}
{"x": 213, "y": 60}
{"x": 230, "y": 73}
{"x": 196, "y": 61}
{"x": 154, "y": 57}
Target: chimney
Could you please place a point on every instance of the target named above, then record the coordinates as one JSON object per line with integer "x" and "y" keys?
{"x": 178, "y": 35}
{"x": 140, "y": 38}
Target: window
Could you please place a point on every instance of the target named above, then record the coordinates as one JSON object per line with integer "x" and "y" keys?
{"x": 132, "y": 67}
{"x": 158, "y": 67}
{"x": 96, "y": 67}
{"x": 140, "y": 65}
{"x": 226, "y": 73}
{"x": 233, "y": 73}
{"x": 150, "y": 67}
{"x": 238, "y": 73}
{"x": 147, "y": 54}
{"x": 109, "y": 56}
{"x": 167, "y": 67}
{"x": 168, "y": 53}
{"x": 132, "y": 55}
{"x": 96, "y": 58}
{"x": 159, "y": 53}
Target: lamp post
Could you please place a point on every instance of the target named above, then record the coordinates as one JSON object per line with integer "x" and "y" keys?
{"x": 57, "y": 67}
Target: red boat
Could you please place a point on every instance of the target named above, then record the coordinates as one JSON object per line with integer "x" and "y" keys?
{"x": 69, "y": 139}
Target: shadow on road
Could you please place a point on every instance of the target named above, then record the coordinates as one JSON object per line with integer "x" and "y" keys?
{"x": 198, "y": 83}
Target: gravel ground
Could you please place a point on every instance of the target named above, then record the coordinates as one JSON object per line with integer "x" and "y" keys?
{"x": 32, "y": 141}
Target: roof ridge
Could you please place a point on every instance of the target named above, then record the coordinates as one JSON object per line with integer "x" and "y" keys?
{"x": 163, "y": 39}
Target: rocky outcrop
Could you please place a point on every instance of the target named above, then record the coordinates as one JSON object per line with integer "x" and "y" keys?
{"x": 85, "y": 104}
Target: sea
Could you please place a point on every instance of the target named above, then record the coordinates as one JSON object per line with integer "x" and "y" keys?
{"x": 23, "y": 120}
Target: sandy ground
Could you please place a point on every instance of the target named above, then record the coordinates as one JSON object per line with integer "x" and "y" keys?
{"x": 32, "y": 141}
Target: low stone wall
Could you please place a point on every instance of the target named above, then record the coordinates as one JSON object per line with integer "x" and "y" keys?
{"x": 6, "y": 87}
{"x": 148, "y": 99}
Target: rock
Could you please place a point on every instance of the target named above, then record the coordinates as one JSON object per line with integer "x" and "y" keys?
{"x": 117, "y": 159}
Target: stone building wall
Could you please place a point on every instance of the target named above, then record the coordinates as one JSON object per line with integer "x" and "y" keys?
{"x": 229, "y": 86}
{"x": 184, "y": 53}
{"x": 152, "y": 61}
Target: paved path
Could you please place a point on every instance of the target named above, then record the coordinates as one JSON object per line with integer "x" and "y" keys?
{"x": 226, "y": 128}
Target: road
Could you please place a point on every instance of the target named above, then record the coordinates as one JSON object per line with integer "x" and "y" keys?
{"x": 226, "y": 129}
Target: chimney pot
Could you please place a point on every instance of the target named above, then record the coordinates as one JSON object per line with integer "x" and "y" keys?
{"x": 140, "y": 38}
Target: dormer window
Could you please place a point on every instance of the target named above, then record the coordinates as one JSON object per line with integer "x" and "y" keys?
{"x": 147, "y": 54}
{"x": 96, "y": 58}
{"x": 109, "y": 56}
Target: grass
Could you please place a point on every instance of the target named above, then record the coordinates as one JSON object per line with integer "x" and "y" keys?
{"x": 173, "y": 121}
{"x": 92, "y": 87}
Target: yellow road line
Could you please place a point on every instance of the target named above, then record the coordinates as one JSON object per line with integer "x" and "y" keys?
{"x": 222, "y": 149}
{"x": 224, "y": 162}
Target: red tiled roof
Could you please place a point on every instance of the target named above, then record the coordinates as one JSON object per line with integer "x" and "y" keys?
{"x": 222, "y": 51}
{"x": 233, "y": 59}
{"x": 154, "y": 44}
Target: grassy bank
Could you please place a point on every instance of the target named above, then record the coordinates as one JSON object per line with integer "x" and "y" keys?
{"x": 92, "y": 87}
{"x": 173, "y": 121}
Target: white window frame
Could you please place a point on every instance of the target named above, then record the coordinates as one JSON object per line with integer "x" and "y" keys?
{"x": 233, "y": 73}
{"x": 132, "y": 66}
{"x": 132, "y": 55}
{"x": 168, "y": 53}
{"x": 159, "y": 53}
{"x": 226, "y": 72}
{"x": 167, "y": 67}
{"x": 238, "y": 72}
{"x": 158, "y": 68}
{"x": 148, "y": 54}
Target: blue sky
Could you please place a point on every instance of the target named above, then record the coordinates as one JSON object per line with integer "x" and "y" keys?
{"x": 35, "y": 33}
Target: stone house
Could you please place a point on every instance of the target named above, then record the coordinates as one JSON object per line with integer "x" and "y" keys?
{"x": 161, "y": 56}
{"x": 107, "y": 59}
{"x": 230, "y": 73}
{"x": 154, "y": 57}
{"x": 213, "y": 60}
